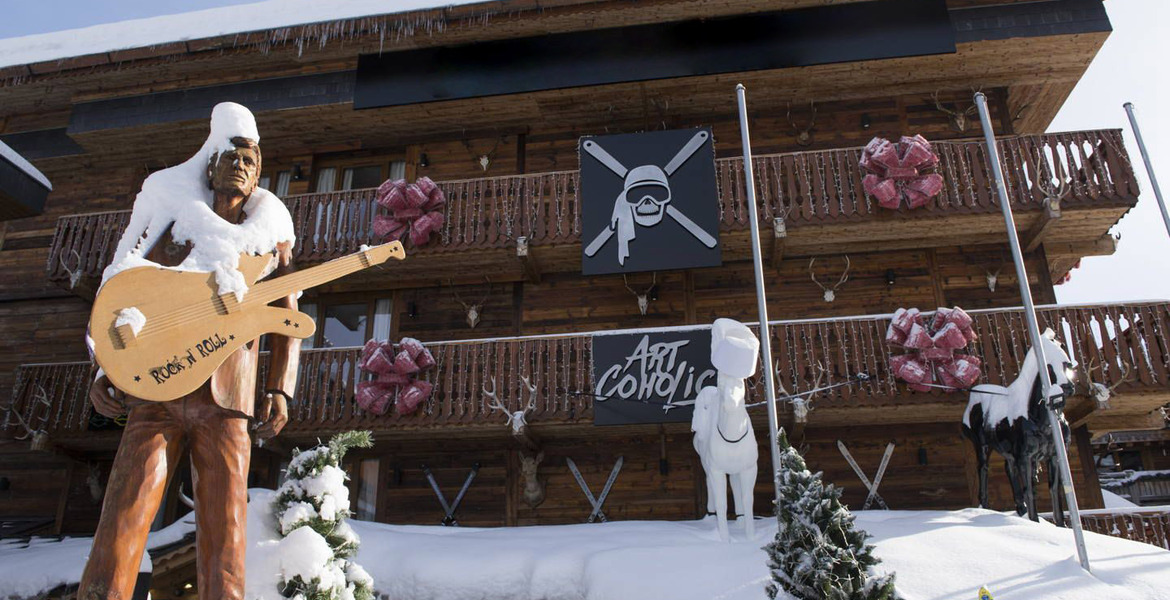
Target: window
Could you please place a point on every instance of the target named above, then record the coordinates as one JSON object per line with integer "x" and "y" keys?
{"x": 347, "y": 321}
{"x": 334, "y": 177}
{"x": 367, "y": 494}
{"x": 344, "y": 325}
{"x": 282, "y": 180}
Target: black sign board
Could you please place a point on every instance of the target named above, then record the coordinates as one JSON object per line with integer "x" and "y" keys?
{"x": 650, "y": 377}
{"x": 649, "y": 202}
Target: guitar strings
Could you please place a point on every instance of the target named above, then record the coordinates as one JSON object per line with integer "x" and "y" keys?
{"x": 295, "y": 281}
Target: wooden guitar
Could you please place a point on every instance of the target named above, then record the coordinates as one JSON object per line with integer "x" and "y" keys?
{"x": 190, "y": 329}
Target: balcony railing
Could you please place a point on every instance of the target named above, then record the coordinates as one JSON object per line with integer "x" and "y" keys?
{"x": 1149, "y": 524}
{"x": 1127, "y": 345}
{"x": 806, "y": 188}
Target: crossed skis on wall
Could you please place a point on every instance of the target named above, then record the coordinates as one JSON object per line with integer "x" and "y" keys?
{"x": 596, "y": 502}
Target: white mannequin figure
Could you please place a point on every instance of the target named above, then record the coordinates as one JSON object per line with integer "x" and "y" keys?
{"x": 724, "y": 437}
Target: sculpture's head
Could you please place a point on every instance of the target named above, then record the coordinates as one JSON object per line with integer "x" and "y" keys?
{"x": 235, "y": 172}
{"x": 1061, "y": 368}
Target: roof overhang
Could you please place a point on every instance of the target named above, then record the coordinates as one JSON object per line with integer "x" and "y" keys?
{"x": 23, "y": 189}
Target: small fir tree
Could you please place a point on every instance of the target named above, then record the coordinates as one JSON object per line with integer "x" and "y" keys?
{"x": 311, "y": 507}
{"x": 818, "y": 553}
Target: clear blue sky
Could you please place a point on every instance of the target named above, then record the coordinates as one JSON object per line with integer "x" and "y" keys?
{"x": 26, "y": 17}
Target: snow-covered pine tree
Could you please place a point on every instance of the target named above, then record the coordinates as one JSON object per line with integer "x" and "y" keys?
{"x": 311, "y": 507}
{"x": 818, "y": 553}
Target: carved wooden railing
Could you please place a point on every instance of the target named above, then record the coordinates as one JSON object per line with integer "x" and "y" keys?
{"x": 816, "y": 187}
{"x": 1150, "y": 525}
{"x": 1116, "y": 338}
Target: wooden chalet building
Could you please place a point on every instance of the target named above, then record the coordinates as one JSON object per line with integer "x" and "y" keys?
{"x": 490, "y": 101}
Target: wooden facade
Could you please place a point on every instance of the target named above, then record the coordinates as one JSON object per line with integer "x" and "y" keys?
{"x": 538, "y": 311}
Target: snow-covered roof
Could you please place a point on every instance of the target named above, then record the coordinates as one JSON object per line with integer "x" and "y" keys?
{"x": 214, "y": 22}
{"x": 23, "y": 165}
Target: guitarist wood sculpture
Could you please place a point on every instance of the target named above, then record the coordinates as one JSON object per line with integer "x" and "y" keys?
{"x": 176, "y": 322}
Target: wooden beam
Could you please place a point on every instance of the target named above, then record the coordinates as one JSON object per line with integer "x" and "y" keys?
{"x": 528, "y": 261}
{"x": 1107, "y": 423}
{"x": 1043, "y": 225}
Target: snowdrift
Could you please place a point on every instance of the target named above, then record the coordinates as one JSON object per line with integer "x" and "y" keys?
{"x": 937, "y": 555}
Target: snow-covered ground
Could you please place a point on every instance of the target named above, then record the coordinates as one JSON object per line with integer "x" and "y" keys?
{"x": 937, "y": 555}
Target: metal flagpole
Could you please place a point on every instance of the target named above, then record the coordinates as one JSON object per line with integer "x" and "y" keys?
{"x": 1137, "y": 133}
{"x": 761, "y": 301}
{"x": 1033, "y": 331}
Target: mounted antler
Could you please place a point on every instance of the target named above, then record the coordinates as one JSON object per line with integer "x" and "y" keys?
{"x": 803, "y": 134}
{"x": 38, "y": 436}
{"x": 644, "y": 297}
{"x": 1100, "y": 392}
{"x": 802, "y": 404}
{"x": 958, "y": 118}
{"x": 473, "y": 310}
{"x": 75, "y": 273}
{"x": 830, "y": 294}
{"x": 531, "y": 453}
{"x": 992, "y": 278}
{"x": 1054, "y": 191}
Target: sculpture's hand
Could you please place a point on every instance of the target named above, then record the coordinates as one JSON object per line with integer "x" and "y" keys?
{"x": 107, "y": 400}
{"x": 284, "y": 253}
{"x": 272, "y": 412}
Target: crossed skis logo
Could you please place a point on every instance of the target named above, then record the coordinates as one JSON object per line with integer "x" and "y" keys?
{"x": 677, "y": 188}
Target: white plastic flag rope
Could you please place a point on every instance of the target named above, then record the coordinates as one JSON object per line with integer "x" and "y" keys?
{"x": 597, "y": 513}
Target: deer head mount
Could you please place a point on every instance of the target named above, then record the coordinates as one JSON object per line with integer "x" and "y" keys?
{"x": 646, "y": 296}
{"x": 76, "y": 272}
{"x": 474, "y": 310}
{"x": 830, "y": 293}
{"x": 992, "y": 278}
{"x": 959, "y": 118}
{"x": 93, "y": 481}
{"x": 801, "y": 403}
{"x": 803, "y": 134}
{"x": 1100, "y": 392}
{"x": 484, "y": 159}
{"x": 531, "y": 453}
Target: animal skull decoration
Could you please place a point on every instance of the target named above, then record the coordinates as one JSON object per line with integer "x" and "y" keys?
{"x": 1100, "y": 392}
{"x": 992, "y": 278}
{"x": 830, "y": 293}
{"x": 801, "y": 405}
{"x": 803, "y": 134}
{"x": 959, "y": 118}
{"x": 473, "y": 310}
{"x": 38, "y": 438}
{"x": 644, "y": 297}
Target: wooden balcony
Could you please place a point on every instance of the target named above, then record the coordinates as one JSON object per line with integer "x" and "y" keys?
{"x": 1128, "y": 344}
{"x": 818, "y": 194}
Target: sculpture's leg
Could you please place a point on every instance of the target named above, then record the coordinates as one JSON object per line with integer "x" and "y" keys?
{"x": 1054, "y": 490}
{"x": 1012, "y": 469}
{"x": 982, "y": 457}
{"x": 720, "y": 492}
{"x": 220, "y": 451}
{"x": 745, "y": 482}
{"x": 711, "y": 481}
{"x": 1029, "y": 472}
{"x": 150, "y": 448}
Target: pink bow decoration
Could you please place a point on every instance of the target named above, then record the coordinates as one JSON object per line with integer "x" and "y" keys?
{"x": 932, "y": 358}
{"x": 898, "y": 172}
{"x": 415, "y": 209}
{"x": 396, "y": 368}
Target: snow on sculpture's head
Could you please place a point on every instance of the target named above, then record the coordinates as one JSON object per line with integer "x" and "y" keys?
{"x": 734, "y": 348}
{"x": 181, "y": 198}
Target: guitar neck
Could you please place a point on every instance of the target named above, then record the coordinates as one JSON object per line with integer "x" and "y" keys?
{"x": 272, "y": 289}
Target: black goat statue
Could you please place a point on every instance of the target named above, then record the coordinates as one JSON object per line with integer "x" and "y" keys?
{"x": 1014, "y": 421}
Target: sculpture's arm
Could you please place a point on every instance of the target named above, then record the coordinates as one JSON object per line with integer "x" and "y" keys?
{"x": 284, "y": 357}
